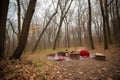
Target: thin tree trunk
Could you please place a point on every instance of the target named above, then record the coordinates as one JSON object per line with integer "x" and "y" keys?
{"x": 19, "y": 22}
{"x": 12, "y": 27}
{"x": 45, "y": 28}
{"x": 107, "y": 21}
{"x": 25, "y": 29}
{"x": 55, "y": 42}
{"x": 89, "y": 24}
{"x": 68, "y": 39}
{"x": 43, "y": 32}
{"x": 117, "y": 23}
{"x": 8, "y": 46}
{"x": 63, "y": 15}
{"x": 65, "y": 38}
{"x": 80, "y": 37}
{"x": 3, "y": 16}
{"x": 79, "y": 34}
{"x": 104, "y": 27}
{"x": 97, "y": 31}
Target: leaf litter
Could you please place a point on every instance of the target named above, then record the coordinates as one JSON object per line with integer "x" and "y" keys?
{"x": 37, "y": 67}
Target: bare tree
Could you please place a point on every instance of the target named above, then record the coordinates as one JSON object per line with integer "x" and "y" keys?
{"x": 106, "y": 5}
{"x": 19, "y": 22}
{"x": 79, "y": 20}
{"x": 67, "y": 21}
{"x": 80, "y": 31}
{"x": 7, "y": 43}
{"x": 3, "y": 17}
{"x": 98, "y": 30}
{"x": 25, "y": 29}
{"x": 64, "y": 11}
{"x": 45, "y": 27}
{"x": 104, "y": 26}
{"x": 67, "y": 39}
{"x": 116, "y": 20}
{"x": 89, "y": 24}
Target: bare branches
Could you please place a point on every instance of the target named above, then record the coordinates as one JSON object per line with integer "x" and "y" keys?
{"x": 11, "y": 24}
{"x": 63, "y": 14}
{"x": 109, "y": 3}
{"x": 45, "y": 27}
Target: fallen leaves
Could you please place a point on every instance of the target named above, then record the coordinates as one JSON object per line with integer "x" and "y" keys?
{"x": 24, "y": 70}
{"x": 37, "y": 67}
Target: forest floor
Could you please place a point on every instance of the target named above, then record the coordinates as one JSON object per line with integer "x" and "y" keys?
{"x": 37, "y": 67}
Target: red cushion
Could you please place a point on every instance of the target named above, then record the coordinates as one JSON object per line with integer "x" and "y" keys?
{"x": 84, "y": 53}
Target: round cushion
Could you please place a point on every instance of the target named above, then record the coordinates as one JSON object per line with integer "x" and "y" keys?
{"x": 84, "y": 53}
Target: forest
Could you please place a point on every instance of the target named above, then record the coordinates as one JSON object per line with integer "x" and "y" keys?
{"x": 30, "y": 30}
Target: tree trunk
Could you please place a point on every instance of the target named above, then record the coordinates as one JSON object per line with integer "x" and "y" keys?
{"x": 98, "y": 31}
{"x": 117, "y": 23}
{"x": 63, "y": 15}
{"x": 43, "y": 31}
{"x": 89, "y": 24}
{"x": 68, "y": 39}
{"x": 104, "y": 26}
{"x": 19, "y": 22}
{"x": 8, "y": 44}
{"x": 3, "y": 16}
{"x": 59, "y": 28}
{"x": 79, "y": 33}
{"x": 25, "y": 29}
{"x": 107, "y": 20}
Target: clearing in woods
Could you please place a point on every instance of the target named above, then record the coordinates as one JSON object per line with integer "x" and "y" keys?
{"x": 37, "y": 67}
